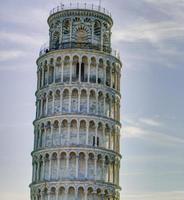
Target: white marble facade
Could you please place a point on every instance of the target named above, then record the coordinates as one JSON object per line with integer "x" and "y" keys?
{"x": 76, "y": 152}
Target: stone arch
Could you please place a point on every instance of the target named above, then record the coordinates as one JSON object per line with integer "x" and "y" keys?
{"x": 48, "y": 134}
{"x": 74, "y": 101}
{"x": 73, "y": 132}
{"x": 51, "y": 71}
{"x": 66, "y": 31}
{"x": 107, "y": 105}
{"x": 101, "y": 71}
{"x": 83, "y": 101}
{"x": 82, "y": 132}
{"x": 65, "y": 104}
{"x": 63, "y": 163}
{"x": 93, "y": 66}
{"x": 72, "y": 165}
{"x": 54, "y": 166}
{"x": 66, "y": 69}
{"x": 91, "y": 171}
{"x": 53, "y": 193}
{"x": 64, "y": 132}
{"x": 71, "y": 193}
{"x": 40, "y": 163}
{"x": 42, "y": 139}
{"x": 57, "y": 102}
{"x": 100, "y": 103}
{"x": 45, "y": 194}
{"x": 81, "y": 194}
{"x": 106, "y": 169}
{"x": 92, "y": 102}
{"x": 108, "y": 74}
{"x": 61, "y": 193}
{"x": 92, "y": 133}
{"x": 58, "y": 70}
{"x": 90, "y": 193}
{"x": 97, "y": 32}
{"x": 100, "y": 139}
{"x": 56, "y": 134}
{"x": 99, "y": 167}
{"x": 47, "y": 161}
{"x": 50, "y": 101}
{"x": 84, "y": 69}
{"x": 82, "y": 164}
{"x": 45, "y": 74}
{"x": 75, "y": 69}
{"x": 55, "y": 40}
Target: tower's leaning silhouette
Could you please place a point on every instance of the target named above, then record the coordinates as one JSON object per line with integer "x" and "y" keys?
{"x": 76, "y": 152}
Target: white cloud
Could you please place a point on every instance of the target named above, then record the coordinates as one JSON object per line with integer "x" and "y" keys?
{"x": 153, "y": 32}
{"x": 21, "y": 39}
{"x": 150, "y": 122}
{"x": 7, "y": 55}
{"x": 145, "y": 128}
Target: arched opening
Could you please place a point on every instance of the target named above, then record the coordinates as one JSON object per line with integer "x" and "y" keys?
{"x": 90, "y": 194}
{"x": 92, "y": 102}
{"x": 108, "y": 74}
{"x": 55, "y": 40}
{"x": 63, "y": 172}
{"x": 56, "y": 135}
{"x": 101, "y": 72}
{"x": 97, "y": 34}
{"x": 44, "y": 105}
{"x": 64, "y": 132}
{"x": 92, "y": 133}
{"x": 53, "y": 193}
{"x": 51, "y": 71}
{"x": 81, "y": 195}
{"x": 48, "y": 135}
{"x": 40, "y": 174}
{"x": 75, "y": 71}
{"x": 107, "y": 105}
{"x": 71, "y": 193}
{"x": 82, "y": 165}
{"x": 50, "y": 100}
{"x": 107, "y": 136}
{"x": 57, "y": 102}
{"x": 83, "y": 102}
{"x": 100, "y": 103}
{"x": 106, "y": 169}
{"x": 74, "y": 101}
{"x": 47, "y": 160}
{"x": 54, "y": 166}
{"x": 72, "y": 165}
{"x": 73, "y": 132}
{"x": 99, "y": 168}
{"x": 65, "y": 104}
{"x": 91, "y": 172}
{"x": 100, "y": 135}
{"x": 45, "y": 194}
{"x": 93, "y": 66}
{"x": 66, "y": 69}
{"x": 45, "y": 78}
{"x": 58, "y": 70}
{"x": 61, "y": 193}
{"x": 66, "y": 32}
{"x": 84, "y": 69}
{"x": 82, "y": 133}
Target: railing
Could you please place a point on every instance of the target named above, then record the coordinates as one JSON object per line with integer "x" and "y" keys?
{"x": 83, "y": 6}
{"x": 73, "y": 45}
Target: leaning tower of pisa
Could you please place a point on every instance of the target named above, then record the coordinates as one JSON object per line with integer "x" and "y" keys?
{"x": 76, "y": 152}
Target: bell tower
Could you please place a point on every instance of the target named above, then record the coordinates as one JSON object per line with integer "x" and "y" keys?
{"x": 76, "y": 153}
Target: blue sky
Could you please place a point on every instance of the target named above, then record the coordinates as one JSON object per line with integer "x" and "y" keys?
{"x": 150, "y": 37}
